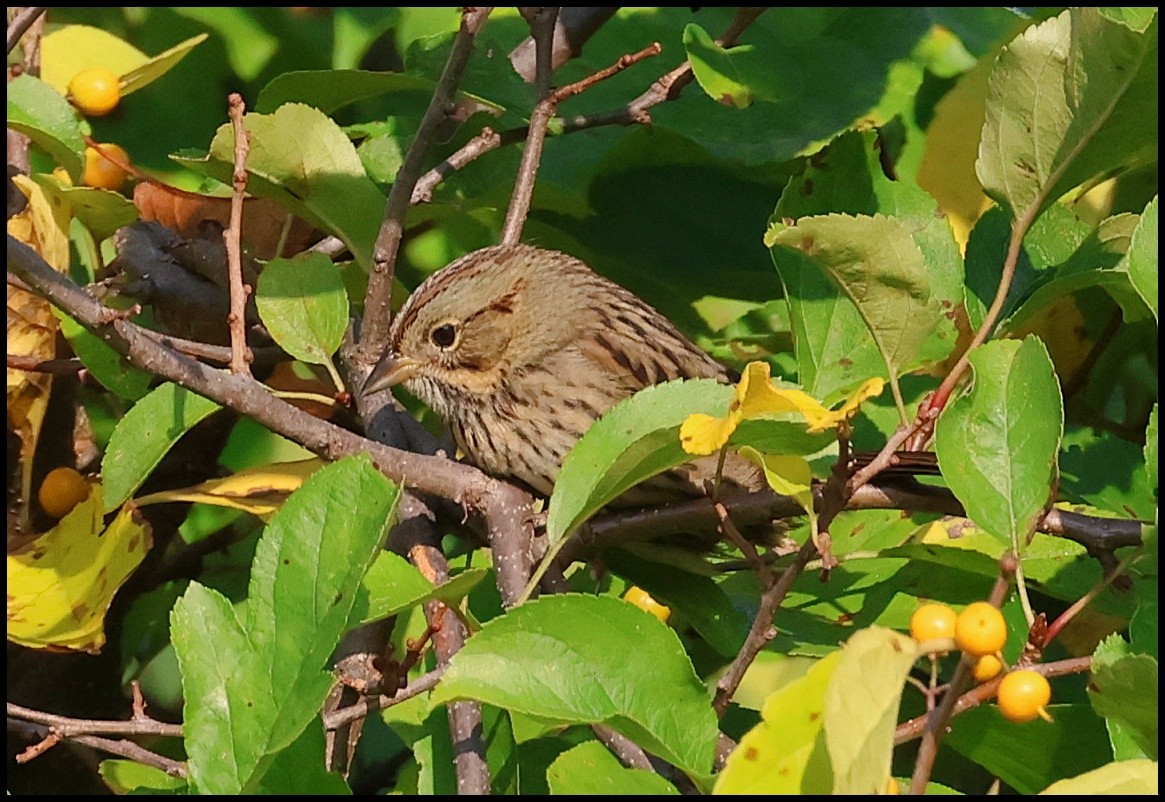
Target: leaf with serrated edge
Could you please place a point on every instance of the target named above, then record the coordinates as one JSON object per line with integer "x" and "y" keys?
{"x": 254, "y": 678}
{"x": 997, "y": 443}
{"x": 1123, "y": 689}
{"x": 585, "y": 660}
{"x": 1143, "y": 255}
{"x": 304, "y": 305}
{"x": 880, "y": 268}
{"x": 1071, "y": 98}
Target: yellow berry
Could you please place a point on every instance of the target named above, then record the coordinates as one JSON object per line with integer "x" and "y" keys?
{"x": 95, "y": 91}
{"x": 643, "y": 600}
{"x": 102, "y": 173}
{"x": 932, "y": 620}
{"x": 987, "y": 667}
{"x": 980, "y": 629}
{"x": 1024, "y": 695}
{"x": 61, "y": 491}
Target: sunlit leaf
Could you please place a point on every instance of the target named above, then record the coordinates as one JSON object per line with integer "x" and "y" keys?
{"x": 997, "y": 443}
{"x": 588, "y": 659}
{"x": 61, "y": 584}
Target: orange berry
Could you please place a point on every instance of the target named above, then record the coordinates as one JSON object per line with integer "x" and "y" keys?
{"x": 1024, "y": 695}
{"x": 644, "y": 601}
{"x": 95, "y": 91}
{"x": 102, "y": 173}
{"x": 987, "y": 667}
{"x": 62, "y": 490}
{"x": 980, "y": 629}
{"x": 932, "y": 620}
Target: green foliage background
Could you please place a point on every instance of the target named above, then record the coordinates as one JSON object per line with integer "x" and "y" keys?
{"x": 827, "y": 127}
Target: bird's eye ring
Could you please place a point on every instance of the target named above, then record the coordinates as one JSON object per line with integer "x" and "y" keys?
{"x": 444, "y": 335}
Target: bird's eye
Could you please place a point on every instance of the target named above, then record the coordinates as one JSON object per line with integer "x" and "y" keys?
{"x": 444, "y": 335}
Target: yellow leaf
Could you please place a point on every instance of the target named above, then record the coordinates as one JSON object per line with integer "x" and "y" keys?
{"x": 785, "y": 753}
{"x": 703, "y": 434}
{"x": 871, "y": 388}
{"x": 61, "y": 584}
{"x": 32, "y": 327}
{"x": 259, "y": 491}
{"x": 69, "y": 50}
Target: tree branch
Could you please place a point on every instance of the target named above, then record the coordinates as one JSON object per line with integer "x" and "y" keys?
{"x": 504, "y": 510}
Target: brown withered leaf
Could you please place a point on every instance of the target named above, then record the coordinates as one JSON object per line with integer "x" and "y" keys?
{"x": 186, "y": 212}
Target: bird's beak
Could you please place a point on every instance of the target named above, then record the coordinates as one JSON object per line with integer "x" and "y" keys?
{"x": 390, "y": 371}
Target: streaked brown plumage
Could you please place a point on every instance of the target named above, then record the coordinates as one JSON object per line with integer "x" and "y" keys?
{"x": 520, "y": 349}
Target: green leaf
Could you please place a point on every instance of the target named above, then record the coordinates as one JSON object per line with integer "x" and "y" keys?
{"x": 1123, "y": 689}
{"x": 804, "y": 75}
{"x": 786, "y": 752}
{"x": 636, "y": 439}
{"x": 253, "y": 678}
{"x": 1143, "y": 255}
{"x": 356, "y": 29}
{"x": 102, "y": 211}
{"x": 39, "y": 112}
{"x": 329, "y": 90}
{"x": 590, "y": 769}
{"x": 881, "y": 269}
{"x": 1098, "y": 262}
{"x": 1105, "y": 471}
{"x": 833, "y": 348}
{"x": 718, "y": 71}
{"x": 107, "y": 366}
{"x": 300, "y": 158}
{"x": 1125, "y": 778}
{"x": 144, "y": 435}
{"x": 153, "y": 69}
{"x": 128, "y": 776}
{"x": 303, "y": 304}
{"x": 1070, "y": 99}
{"x": 301, "y": 768}
{"x": 585, "y": 660}
{"x": 1031, "y": 756}
{"x": 997, "y": 443}
{"x": 861, "y": 708}
{"x": 250, "y": 46}
{"x": 393, "y": 585}
{"x": 1051, "y": 241}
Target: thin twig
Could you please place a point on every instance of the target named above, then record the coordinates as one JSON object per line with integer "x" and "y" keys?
{"x": 377, "y": 310}
{"x": 761, "y": 631}
{"x": 121, "y": 748}
{"x": 346, "y": 715}
{"x": 236, "y": 320}
{"x": 909, "y": 730}
{"x": 544, "y": 111}
{"x": 22, "y": 20}
{"x": 542, "y": 21}
{"x": 69, "y": 727}
{"x": 465, "y": 722}
{"x": 667, "y": 87}
{"x": 34, "y": 364}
